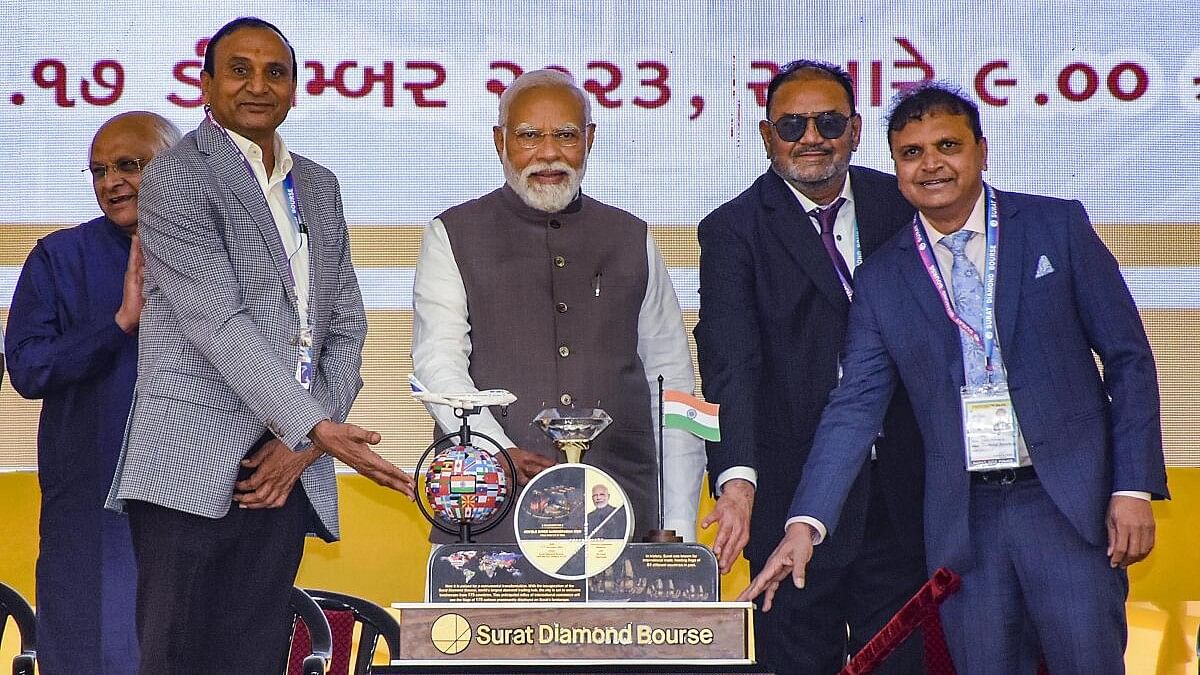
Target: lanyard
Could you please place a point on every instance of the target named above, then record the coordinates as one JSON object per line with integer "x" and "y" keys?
{"x": 293, "y": 202}
{"x": 846, "y": 283}
{"x": 988, "y": 341}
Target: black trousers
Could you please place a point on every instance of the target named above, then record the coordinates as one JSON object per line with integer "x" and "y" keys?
{"x": 805, "y": 633}
{"x": 212, "y": 594}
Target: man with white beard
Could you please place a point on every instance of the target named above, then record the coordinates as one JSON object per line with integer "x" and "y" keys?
{"x": 562, "y": 300}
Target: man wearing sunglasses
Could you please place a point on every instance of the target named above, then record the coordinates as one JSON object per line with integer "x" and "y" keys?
{"x": 992, "y": 308}
{"x": 776, "y": 277}
{"x": 569, "y": 302}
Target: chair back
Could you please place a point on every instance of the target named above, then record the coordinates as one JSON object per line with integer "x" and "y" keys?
{"x": 346, "y": 611}
{"x": 312, "y": 641}
{"x": 15, "y": 606}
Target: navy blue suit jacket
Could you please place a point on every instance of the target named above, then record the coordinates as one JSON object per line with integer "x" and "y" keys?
{"x": 772, "y": 324}
{"x": 1088, "y": 435}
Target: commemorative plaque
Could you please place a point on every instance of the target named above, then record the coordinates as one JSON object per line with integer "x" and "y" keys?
{"x": 571, "y": 586}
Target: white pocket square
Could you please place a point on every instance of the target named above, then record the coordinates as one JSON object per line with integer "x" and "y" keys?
{"x": 1043, "y": 268}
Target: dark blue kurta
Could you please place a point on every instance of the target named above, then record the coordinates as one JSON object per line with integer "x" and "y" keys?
{"x": 64, "y": 347}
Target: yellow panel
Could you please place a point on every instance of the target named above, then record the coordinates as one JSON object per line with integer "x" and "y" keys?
{"x": 385, "y": 404}
{"x": 396, "y": 245}
{"x": 384, "y": 551}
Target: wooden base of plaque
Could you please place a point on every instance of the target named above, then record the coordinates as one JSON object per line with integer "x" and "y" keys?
{"x": 575, "y": 633}
{"x": 662, "y": 537}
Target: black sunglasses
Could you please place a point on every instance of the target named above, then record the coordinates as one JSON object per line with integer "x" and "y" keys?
{"x": 791, "y": 128}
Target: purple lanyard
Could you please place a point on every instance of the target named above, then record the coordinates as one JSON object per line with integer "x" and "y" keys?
{"x": 988, "y": 341}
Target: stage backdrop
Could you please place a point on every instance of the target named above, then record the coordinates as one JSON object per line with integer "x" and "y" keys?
{"x": 398, "y": 99}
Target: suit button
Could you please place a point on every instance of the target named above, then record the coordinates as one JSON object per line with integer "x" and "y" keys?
{"x": 564, "y": 351}
{"x": 560, "y": 261}
{"x": 565, "y": 399}
{"x": 555, "y": 224}
{"x": 561, "y": 308}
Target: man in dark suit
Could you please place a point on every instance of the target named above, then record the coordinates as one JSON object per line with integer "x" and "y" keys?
{"x": 776, "y": 273}
{"x": 248, "y": 364}
{"x": 995, "y": 304}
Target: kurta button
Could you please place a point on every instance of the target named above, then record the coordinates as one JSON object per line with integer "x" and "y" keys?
{"x": 555, "y": 224}
{"x": 560, "y": 261}
{"x": 565, "y": 399}
{"x": 564, "y": 351}
{"x": 561, "y": 307}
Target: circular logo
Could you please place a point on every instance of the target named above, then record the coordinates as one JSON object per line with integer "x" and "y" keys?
{"x": 450, "y": 633}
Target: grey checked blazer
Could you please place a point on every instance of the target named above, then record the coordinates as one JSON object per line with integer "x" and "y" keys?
{"x": 217, "y": 346}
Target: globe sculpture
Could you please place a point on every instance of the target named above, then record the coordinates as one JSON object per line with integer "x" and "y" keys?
{"x": 465, "y": 484}
{"x": 466, "y": 474}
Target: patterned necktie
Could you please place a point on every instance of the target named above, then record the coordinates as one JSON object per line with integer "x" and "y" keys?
{"x": 826, "y": 218}
{"x": 968, "y": 302}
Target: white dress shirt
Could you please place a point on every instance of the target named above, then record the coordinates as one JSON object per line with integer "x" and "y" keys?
{"x": 295, "y": 247}
{"x": 441, "y": 354}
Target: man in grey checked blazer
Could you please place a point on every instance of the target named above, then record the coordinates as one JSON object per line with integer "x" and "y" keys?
{"x": 219, "y": 415}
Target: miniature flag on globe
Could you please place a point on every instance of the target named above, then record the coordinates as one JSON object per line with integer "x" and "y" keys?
{"x": 684, "y": 411}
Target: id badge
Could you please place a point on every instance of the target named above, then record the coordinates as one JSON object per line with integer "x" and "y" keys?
{"x": 989, "y": 428}
{"x": 304, "y": 362}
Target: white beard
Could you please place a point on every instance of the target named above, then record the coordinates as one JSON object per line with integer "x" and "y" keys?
{"x": 548, "y": 198}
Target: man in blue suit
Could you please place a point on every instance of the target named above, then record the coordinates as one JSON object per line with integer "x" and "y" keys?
{"x": 777, "y": 266}
{"x": 991, "y": 306}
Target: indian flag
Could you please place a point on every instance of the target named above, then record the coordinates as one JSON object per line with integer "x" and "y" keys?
{"x": 464, "y": 484}
{"x": 684, "y": 411}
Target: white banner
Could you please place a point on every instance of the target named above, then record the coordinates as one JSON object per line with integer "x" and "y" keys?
{"x": 1078, "y": 100}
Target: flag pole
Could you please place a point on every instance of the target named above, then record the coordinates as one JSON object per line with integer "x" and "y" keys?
{"x": 662, "y": 504}
{"x": 661, "y": 535}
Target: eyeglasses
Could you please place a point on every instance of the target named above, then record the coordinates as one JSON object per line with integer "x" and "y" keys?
{"x": 123, "y": 167}
{"x": 792, "y": 128}
{"x": 566, "y": 137}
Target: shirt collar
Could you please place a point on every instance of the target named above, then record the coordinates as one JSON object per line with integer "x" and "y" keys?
{"x": 974, "y": 222}
{"x": 283, "y": 158}
{"x": 808, "y": 205}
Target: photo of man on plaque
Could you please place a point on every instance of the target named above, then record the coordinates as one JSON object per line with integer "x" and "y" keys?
{"x": 606, "y": 520}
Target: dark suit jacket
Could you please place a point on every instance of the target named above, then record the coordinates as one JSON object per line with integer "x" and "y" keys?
{"x": 1084, "y": 445}
{"x": 772, "y": 323}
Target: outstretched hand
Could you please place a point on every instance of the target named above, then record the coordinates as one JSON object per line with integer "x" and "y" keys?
{"x": 350, "y": 444}
{"x": 529, "y": 464}
{"x": 732, "y": 516}
{"x": 791, "y": 556}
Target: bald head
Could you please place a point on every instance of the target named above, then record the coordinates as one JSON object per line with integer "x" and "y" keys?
{"x": 120, "y": 150}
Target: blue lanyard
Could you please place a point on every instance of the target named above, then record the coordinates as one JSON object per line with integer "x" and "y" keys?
{"x": 992, "y": 231}
{"x": 293, "y": 200}
{"x": 289, "y": 188}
